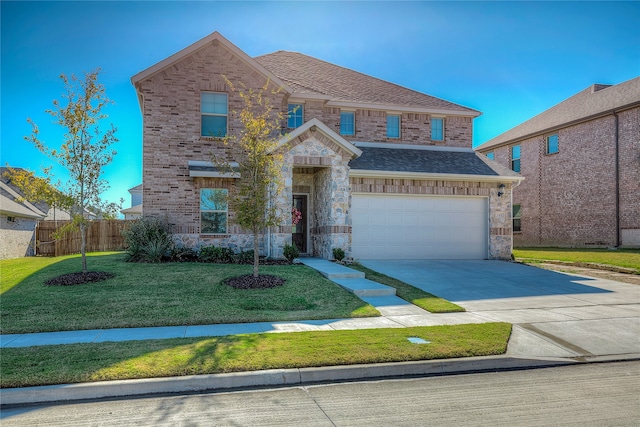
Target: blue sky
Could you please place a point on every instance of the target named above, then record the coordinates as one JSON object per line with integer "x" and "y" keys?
{"x": 510, "y": 60}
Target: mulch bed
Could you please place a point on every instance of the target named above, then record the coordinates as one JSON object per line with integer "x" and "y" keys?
{"x": 73, "y": 279}
{"x": 247, "y": 281}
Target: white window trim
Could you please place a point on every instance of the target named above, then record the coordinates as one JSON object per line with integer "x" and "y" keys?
{"x": 443, "y": 118}
{"x": 226, "y": 211}
{"x": 399, "y": 116}
{"x": 214, "y": 114}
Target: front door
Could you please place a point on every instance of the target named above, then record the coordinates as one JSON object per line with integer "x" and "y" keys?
{"x": 299, "y": 222}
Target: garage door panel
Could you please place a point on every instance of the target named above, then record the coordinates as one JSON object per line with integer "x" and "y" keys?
{"x": 419, "y": 227}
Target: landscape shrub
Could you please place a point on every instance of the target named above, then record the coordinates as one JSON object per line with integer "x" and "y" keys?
{"x": 338, "y": 254}
{"x": 148, "y": 239}
{"x": 183, "y": 254}
{"x": 291, "y": 252}
{"x": 216, "y": 254}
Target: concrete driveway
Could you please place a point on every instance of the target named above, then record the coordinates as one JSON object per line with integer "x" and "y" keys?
{"x": 554, "y": 314}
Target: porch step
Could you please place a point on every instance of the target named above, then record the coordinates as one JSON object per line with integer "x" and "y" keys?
{"x": 366, "y": 288}
{"x": 331, "y": 270}
{"x": 350, "y": 279}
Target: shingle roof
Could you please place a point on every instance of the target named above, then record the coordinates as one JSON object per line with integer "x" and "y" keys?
{"x": 426, "y": 161}
{"x": 594, "y": 100}
{"x": 308, "y": 75}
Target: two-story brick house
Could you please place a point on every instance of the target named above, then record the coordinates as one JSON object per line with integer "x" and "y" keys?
{"x": 581, "y": 161}
{"x": 376, "y": 169}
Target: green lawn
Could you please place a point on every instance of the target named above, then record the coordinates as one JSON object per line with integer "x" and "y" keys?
{"x": 31, "y": 366}
{"x": 626, "y": 258}
{"x": 410, "y": 293}
{"x": 161, "y": 295}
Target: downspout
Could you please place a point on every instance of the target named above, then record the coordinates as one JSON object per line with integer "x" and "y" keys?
{"x": 617, "y": 169}
{"x": 513, "y": 185}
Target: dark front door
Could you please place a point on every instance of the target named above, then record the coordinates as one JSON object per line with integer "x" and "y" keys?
{"x": 299, "y": 230}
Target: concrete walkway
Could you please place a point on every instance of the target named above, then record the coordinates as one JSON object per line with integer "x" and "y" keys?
{"x": 557, "y": 319}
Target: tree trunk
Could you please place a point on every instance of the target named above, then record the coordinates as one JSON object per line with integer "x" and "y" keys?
{"x": 256, "y": 257}
{"x": 83, "y": 245}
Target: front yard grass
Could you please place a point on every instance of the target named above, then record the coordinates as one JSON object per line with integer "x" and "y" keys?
{"x": 625, "y": 258}
{"x": 167, "y": 294}
{"x": 410, "y": 293}
{"x": 32, "y": 366}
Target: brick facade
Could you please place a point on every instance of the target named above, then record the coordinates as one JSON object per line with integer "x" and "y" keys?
{"x": 569, "y": 198}
{"x": 315, "y": 164}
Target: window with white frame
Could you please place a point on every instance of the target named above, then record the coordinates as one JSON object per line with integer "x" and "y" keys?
{"x": 214, "y": 110}
{"x": 393, "y": 126}
{"x": 437, "y": 129}
{"x": 515, "y": 158}
{"x": 213, "y": 211}
{"x": 517, "y": 218}
{"x": 347, "y": 123}
{"x": 551, "y": 143}
{"x": 295, "y": 115}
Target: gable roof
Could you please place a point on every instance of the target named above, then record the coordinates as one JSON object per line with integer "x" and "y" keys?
{"x": 426, "y": 160}
{"x": 212, "y": 38}
{"x": 10, "y": 207}
{"x": 594, "y": 101}
{"x": 313, "y": 78}
{"x": 317, "y": 124}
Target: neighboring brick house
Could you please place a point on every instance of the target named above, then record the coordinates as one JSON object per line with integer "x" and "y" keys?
{"x": 581, "y": 160}
{"x": 378, "y": 170}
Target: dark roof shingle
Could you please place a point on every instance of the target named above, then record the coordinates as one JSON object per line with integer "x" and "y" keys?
{"x": 594, "y": 100}
{"x": 308, "y": 75}
{"x": 424, "y": 161}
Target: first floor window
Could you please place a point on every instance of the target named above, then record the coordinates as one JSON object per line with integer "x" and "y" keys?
{"x": 552, "y": 144}
{"x": 517, "y": 216}
{"x": 295, "y": 116}
{"x": 515, "y": 158}
{"x": 213, "y": 109}
{"x": 213, "y": 211}
{"x": 393, "y": 126}
{"x": 437, "y": 129}
{"x": 490, "y": 155}
{"x": 347, "y": 123}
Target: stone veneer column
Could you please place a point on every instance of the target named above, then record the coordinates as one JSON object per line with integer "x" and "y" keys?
{"x": 500, "y": 224}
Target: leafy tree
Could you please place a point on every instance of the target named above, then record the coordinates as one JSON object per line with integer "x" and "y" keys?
{"x": 253, "y": 197}
{"x": 85, "y": 149}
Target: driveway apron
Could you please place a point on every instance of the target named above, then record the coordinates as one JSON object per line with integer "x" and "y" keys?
{"x": 554, "y": 314}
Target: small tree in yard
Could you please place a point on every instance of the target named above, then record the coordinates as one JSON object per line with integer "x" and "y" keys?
{"x": 84, "y": 150}
{"x": 260, "y": 166}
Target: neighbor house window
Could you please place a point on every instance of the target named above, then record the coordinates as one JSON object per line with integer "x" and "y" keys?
{"x": 393, "y": 126}
{"x": 517, "y": 215}
{"x": 213, "y": 211}
{"x": 552, "y": 144}
{"x": 347, "y": 123}
{"x": 437, "y": 129}
{"x": 295, "y": 116}
{"x": 515, "y": 158}
{"x": 490, "y": 155}
{"x": 213, "y": 107}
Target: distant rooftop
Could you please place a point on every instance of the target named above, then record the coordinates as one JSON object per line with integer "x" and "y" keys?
{"x": 595, "y": 100}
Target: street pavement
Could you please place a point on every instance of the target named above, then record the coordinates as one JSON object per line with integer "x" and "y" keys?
{"x": 557, "y": 319}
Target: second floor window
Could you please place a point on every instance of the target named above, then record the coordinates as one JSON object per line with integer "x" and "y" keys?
{"x": 295, "y": 115}
{"x": 552, "y": 144}
{"x": 515, "y": 158}
{"x": 347, "y": 123}
{"x": 437, "y": 129}
{"x": 213, "y": 109}
{"x": 393, "y": 126}
{"x": 490, "y": 155}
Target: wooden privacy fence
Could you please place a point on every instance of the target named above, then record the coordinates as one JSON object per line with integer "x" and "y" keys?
{"x": 102, "y": 235}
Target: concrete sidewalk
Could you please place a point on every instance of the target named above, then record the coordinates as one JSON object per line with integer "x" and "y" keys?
{"x": 541, "y": 336}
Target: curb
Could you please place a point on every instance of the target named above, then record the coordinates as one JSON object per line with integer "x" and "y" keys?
{"x": 273, "y": 377}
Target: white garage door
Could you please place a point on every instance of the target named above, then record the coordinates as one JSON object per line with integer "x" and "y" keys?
{"x": 418, "y": 227}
